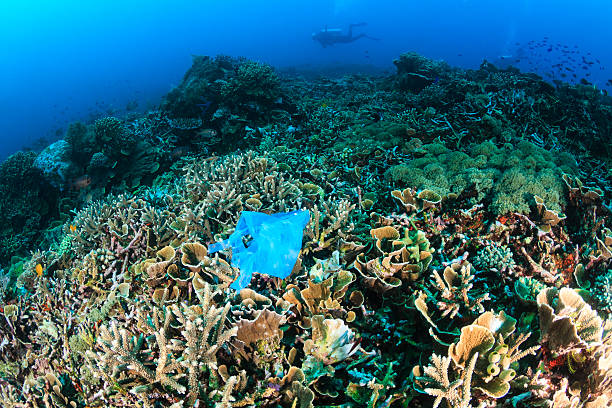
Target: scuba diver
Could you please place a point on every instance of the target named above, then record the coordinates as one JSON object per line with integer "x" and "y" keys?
{"x": 331, "y": 36}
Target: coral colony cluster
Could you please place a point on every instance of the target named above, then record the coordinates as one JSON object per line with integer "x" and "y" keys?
{"x": 457, "y": 253}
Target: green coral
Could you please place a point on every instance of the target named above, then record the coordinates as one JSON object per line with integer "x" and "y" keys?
{"x": 602, "y": 292}
{"x": 370, "y": 387}
{"x": 527, "y": 289}
{"x": 510, "y": 175}
{"x": 495, "y": 256}
{"x": 253, "y": 82}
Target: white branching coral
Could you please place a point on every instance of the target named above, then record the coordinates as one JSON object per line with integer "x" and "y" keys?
{"x": 123, "y": 357}
{"x": 203, "y": 334}
{"x": 434, "y": 380}
{"x": 174, "y": 350}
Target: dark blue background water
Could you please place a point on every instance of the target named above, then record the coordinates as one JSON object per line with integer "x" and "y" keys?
{"x": 68, "y": 60}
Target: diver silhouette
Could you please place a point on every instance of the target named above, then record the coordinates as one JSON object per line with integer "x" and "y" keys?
{"x": 331, "y": 36}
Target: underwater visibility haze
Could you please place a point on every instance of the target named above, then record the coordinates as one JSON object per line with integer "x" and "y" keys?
{"x": 305, "y": 204}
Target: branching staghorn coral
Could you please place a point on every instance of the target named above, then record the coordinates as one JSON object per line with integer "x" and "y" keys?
{"x": 453, "y": 294}
{"x": 203, "y": 334}
{"x": 328, "y": 225}
{"x": 222, "y": 186}
{"x": 10, "y": 396}
{"x": 174, "y": 347}
{"x": 123, "y": 359}
{"x": 434, "y": 380}
{"x": 101, "y": 221}
{"x": 36, "y": 340}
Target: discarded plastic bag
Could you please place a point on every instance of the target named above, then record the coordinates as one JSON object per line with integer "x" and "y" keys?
{"x": 265, "y": 243}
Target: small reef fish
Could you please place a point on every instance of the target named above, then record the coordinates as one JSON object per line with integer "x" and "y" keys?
{"x": 207, "y": 133}
{"x": 80, "y": 182}
{"x": 72, "y": 228}
{"x": 39, "y": 270}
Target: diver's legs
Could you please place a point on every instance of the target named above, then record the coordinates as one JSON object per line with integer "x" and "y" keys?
{"x": 357, "y": 37}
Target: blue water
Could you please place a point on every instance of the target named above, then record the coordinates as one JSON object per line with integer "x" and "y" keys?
{"x": 68, "y": 60}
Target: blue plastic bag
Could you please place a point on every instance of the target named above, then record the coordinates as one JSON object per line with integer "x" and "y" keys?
{"x": 265, "y": 243}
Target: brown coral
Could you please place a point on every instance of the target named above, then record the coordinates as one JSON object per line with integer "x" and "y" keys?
{"x": 398, "y": 258}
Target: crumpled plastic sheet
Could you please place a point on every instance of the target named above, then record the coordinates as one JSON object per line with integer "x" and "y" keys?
{"x": 264, "y": 243}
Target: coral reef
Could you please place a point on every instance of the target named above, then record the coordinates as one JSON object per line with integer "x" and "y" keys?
{"x": 458, "y": 252}
{"x": 508, "y": 176}
{"x": 226, "y": 97}
{"x": 28, "y": 202}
